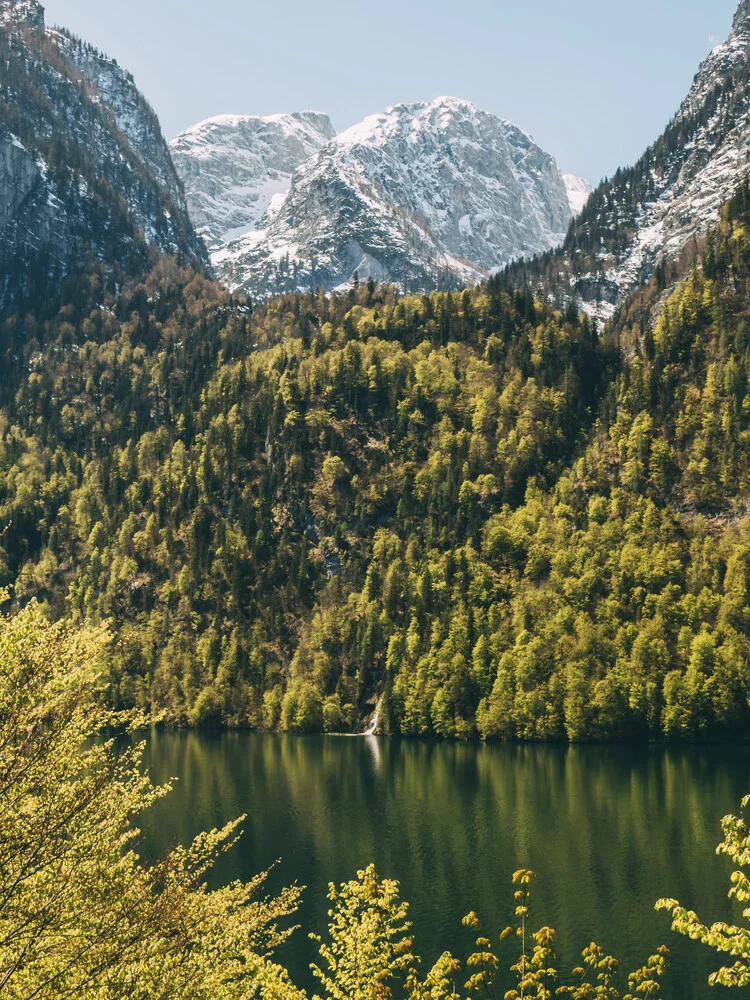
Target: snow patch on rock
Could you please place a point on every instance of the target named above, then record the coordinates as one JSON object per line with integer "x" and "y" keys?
{"x": 672, "y": 196}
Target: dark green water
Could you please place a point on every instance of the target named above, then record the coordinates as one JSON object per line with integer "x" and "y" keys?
{"x": 607, "y": 829}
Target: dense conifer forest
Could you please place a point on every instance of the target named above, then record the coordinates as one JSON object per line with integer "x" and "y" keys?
{"x": 492, "y": 516}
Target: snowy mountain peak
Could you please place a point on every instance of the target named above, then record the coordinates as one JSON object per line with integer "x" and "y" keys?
{"x": 312, "y": 119}
{"x": 17, "y": 12}
{"x": 422, "y": 194}
{"x": 455, "y": 106}
{"x": 453, "y": 103}
{"x": 298, "y": 120}
{"x": 237, "y": 169}
{"x": 442, "y": 113}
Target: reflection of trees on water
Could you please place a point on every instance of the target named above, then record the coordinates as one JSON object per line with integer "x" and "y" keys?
{"x": 608, "y": 829}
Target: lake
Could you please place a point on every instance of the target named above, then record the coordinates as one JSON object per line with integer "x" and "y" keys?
{"x": 608, "y": 829}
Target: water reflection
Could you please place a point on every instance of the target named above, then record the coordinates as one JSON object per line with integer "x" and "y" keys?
{"x": 373, "y": 745}
{"x": 608, "y": 829}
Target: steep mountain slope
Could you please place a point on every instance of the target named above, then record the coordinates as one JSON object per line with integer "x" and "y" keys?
{"x": 84, "y": 168}
{"x": 237, "y": 169}
{"x": 673, "y": 194}
{"x": 423, "y": 195}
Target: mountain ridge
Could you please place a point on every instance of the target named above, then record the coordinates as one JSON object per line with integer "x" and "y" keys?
{"x": 469, "y": 505}
{"x": 482, "y": 510}
{"x": 420, "y": 194}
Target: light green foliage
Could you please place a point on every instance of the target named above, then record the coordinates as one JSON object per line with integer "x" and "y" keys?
{"x": 483, "y": 963}
{"x": 370, "y": 945}
{"x": 438, "y": 984}
{"x": 82, "y": 916}
{"x": 728, "y": 939}
{"x": 370, "y": 952}
{"x": 646, "y": 982}
{"x": 534, "y": 970}
{"x": 597, "y": 977}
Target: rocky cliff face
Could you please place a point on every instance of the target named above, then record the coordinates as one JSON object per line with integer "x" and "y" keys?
{"x": 673, "y": 194}
{"x": 423, "y": 195}
{"x": 84, "y": 170}
{"x": 237, "y": 169}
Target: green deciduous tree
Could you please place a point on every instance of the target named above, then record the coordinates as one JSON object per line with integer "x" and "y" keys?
{"x": 81, "y": 914}
{"x": 369, "y": 953}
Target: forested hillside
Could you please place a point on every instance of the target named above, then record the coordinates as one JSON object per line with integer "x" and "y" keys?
{"x": 473, "y": 506}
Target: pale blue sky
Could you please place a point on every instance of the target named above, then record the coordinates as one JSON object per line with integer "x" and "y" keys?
{"x": 594, "y": 81}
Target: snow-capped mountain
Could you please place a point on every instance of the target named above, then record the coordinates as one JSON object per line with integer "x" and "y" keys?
{"x": 237, "y": 169}
{"x": 85, "y": 172}
{"x": 653, "y": 210}
{"x": 423, "y": 194}
{"x": 579, "y": 191}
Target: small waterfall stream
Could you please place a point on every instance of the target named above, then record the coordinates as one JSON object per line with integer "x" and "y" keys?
{"x": 372, "y": 729}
